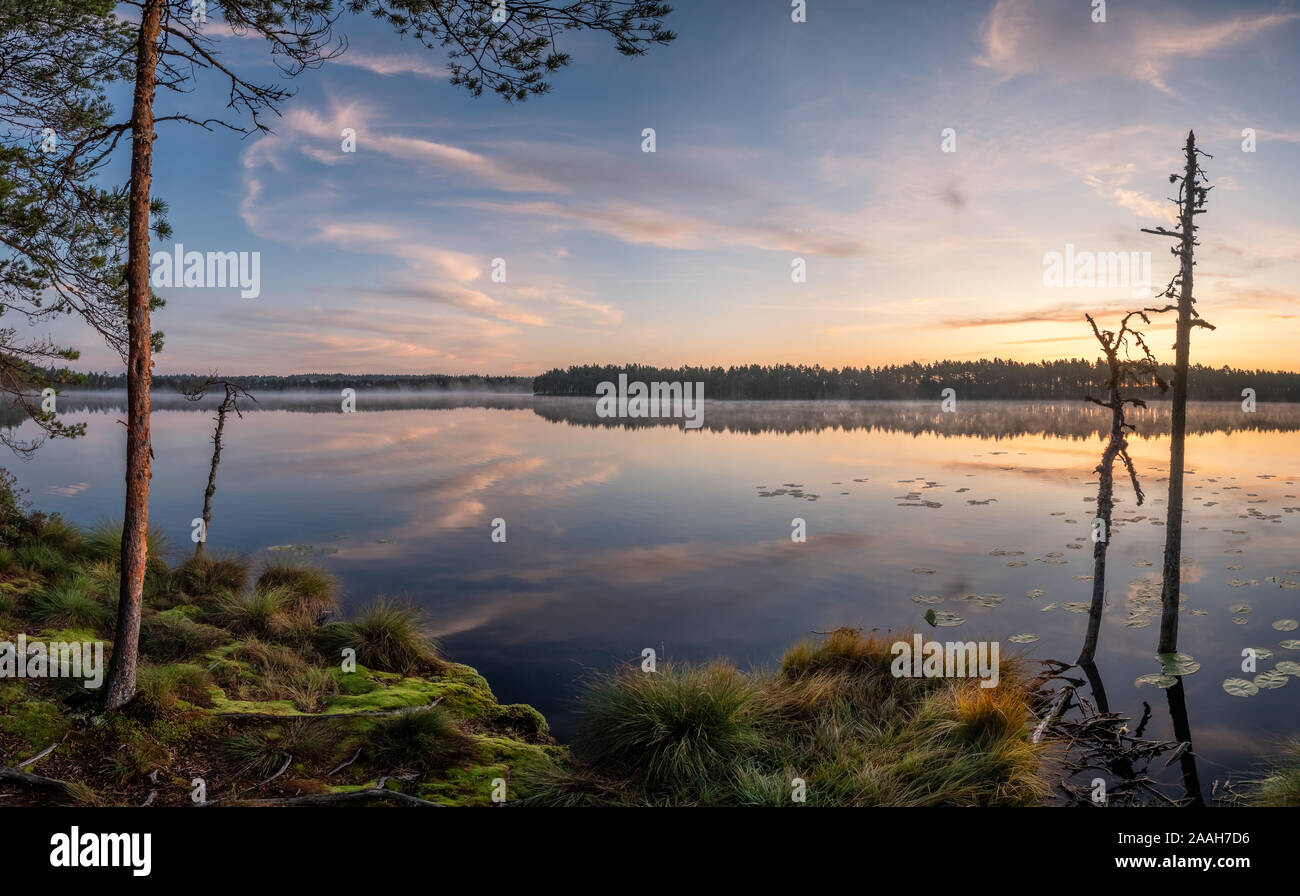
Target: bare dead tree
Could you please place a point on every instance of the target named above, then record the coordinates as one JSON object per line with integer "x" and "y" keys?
{"x": 233, "y": 392}
{"x": 1193, "y": 188}
{"x": 1129, "y": 362}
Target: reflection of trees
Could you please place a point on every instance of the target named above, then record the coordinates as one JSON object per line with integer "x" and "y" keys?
{"x": 986, "y": 419}
{"x": 983, "y": 419}
{"x": 1099, "y": 744}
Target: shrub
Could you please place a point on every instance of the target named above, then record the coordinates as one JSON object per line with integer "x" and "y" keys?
{"x": 103, "y": 541}
{"x": 261, "y": 612}
{"x": 69, "y": 603}
{"x": 39, "y": 557}
{"x": 386, "y": 637}
{"x": 205, "y": 575}
{"x": 164, "y": 685}
{"x": 678, "y": 729}
{"x": 427, "y": 739}
{"x": 170, "y": 636}
{"x": 311, "y": 589}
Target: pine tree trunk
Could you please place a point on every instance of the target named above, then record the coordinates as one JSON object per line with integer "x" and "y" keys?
{"x": 120, "y": 686}
{"x": 1178, "y": 428}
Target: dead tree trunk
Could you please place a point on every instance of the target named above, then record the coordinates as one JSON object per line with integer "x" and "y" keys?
{"x": 1122, "y": 369}
{"x": 120, "y": 686}
{"x": 1101, "y": 540}
{"x": 226, "y": 404}
{"x": 1191, "y": 201}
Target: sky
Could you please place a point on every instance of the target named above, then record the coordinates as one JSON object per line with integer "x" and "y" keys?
{"x": 775, "y": 141}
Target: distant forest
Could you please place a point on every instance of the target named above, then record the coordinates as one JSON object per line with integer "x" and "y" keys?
{"x": 319, "y": 381}
{"x": 973, "y": 380}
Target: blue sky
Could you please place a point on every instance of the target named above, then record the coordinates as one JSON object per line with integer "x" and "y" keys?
{"x": 775, "y": 140}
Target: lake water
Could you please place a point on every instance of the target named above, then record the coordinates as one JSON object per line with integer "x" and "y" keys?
{"x": 623, "y": 535}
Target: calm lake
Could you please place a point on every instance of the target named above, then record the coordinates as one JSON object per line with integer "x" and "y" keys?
{"x": 623, "y": 535}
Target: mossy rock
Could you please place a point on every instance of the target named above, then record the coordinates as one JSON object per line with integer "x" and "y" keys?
{"x": 521, "y": 719}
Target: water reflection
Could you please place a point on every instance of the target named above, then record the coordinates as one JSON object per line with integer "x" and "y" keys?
{"x": 622, "y": 537}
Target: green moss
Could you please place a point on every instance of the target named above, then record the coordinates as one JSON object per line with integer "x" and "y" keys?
{"x": 38, "y": 722}
{"x": 521, "y": 719}
{"x": 200, "y": 670}
{"x": 354, "y": 683}
{"x": 524, "y": 767}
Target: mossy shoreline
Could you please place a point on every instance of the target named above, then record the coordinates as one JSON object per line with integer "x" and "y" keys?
{"x": 252, "y": 690}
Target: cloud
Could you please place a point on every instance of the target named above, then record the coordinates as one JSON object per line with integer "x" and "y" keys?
{"x": 391, "y": 64}
{"x": 1056, "y": 314}
{"x": 658, "y": 226}
{"x": 1059, "y": 37}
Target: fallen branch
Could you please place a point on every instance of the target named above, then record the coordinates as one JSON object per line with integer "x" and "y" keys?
{"x": 38, "y": 782}
{"x": 340, "y": 768}
{"x": 41, "y": 755}
{"x": 337, "y": 799}
{"x": 1052, "y": 713}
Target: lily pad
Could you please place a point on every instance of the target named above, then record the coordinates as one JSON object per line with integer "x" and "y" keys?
{"x": 1025, "y": 638}
{"x": 1177, "y": 663}
{"x": 1286, "y": 625}
{"x": 1269, "y": 680}
{"x": 927, "y": 598}
{"x": 1291, "y": 644}
{"x": 1240, "y": 687}
{"x": 1286, "y": 667}
{"x": 945, "y": 619}
{"x": 1155, "y": 678}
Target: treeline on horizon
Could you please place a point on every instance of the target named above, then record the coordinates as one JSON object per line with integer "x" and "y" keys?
{"x": 1062, "y": 380}
{"x": 320, "y": 381}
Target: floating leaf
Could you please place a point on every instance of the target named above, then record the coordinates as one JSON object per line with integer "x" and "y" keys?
{"x": 1155, "y": 678}
{"x": 945, "y": 619}
{"x": 1023, "y": 639}
{"x": 922, "y": 571}
{"x": 1017, "y": 563}
{"x": 1240, "y": 687}
{"x": 927, "y": 598}
{"x": 1269, "y": 680}
{"x": 1177, "y": 663}
{"x": 1239, "y": 608}
{"x": 1262, "y": 653}
{"x": 1076, "y": 607}
{"x": 1286, "y": 667}
{"x": 1286, "y": 625}
{"x": 1291, "y": 645}
{"x": 1035, "y": 593}
{"x": 1051, "y": 606}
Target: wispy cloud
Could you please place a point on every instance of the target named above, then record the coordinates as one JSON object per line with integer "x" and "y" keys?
{"x": 1058, "y": 37}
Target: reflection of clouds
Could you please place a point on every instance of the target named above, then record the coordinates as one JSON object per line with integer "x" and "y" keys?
{"x": 647, "y": 566}
{"x": 66, "y": 491}
{"x": 555, "y": 581}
